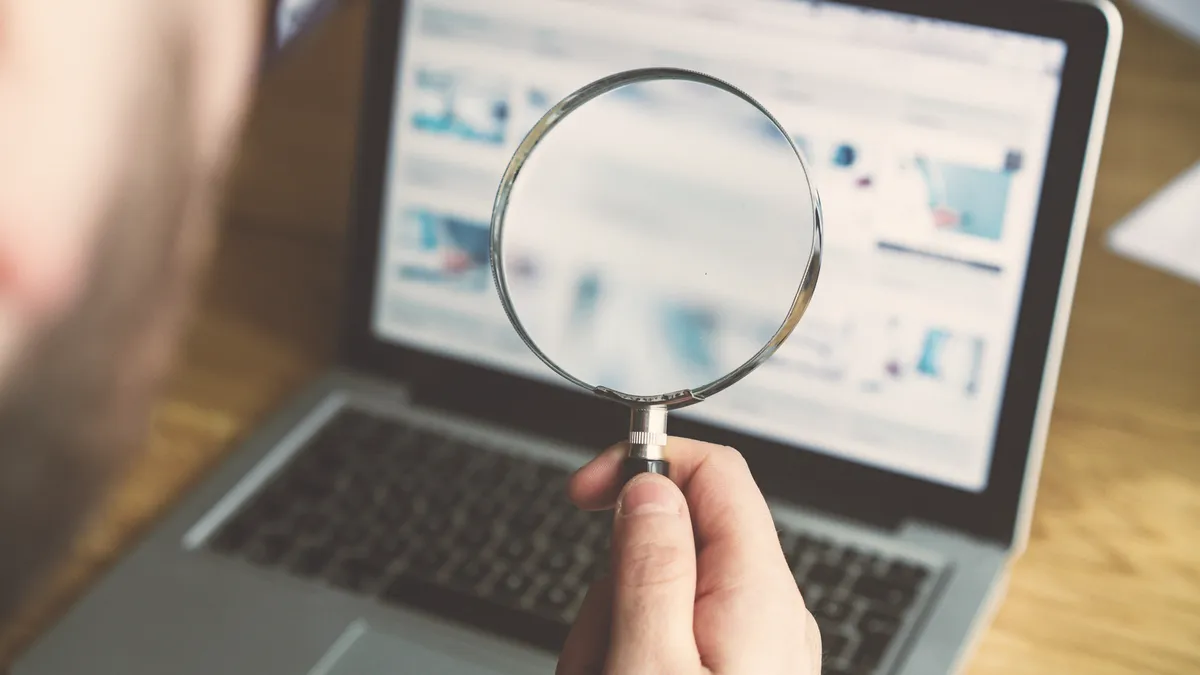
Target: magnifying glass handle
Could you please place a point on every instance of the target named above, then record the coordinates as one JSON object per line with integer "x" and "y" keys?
{"x": 647, "y": 443}
{"x": 632, "y": 466}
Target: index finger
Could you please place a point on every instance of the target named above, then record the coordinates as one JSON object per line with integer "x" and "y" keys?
{"x": 734, "y": 527}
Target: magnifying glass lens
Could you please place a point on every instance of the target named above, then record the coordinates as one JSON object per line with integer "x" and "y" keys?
{"x": 656, "y": 238}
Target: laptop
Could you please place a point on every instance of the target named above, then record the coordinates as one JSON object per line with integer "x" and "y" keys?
{"x": 405, "y": 513}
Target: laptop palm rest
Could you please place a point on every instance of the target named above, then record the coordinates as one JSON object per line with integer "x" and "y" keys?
{"x": 362, "y": 650}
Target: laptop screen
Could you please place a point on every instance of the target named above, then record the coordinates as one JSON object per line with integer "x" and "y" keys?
{"x": 927, "y": 140}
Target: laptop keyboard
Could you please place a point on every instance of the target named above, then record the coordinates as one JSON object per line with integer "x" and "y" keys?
{"x": 378, "y": 507}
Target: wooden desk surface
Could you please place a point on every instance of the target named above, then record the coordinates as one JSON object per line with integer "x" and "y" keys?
{"x": 1110, "y": 584}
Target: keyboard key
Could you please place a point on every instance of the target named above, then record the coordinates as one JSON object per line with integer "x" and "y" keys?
{"x": 359, "y": 539}
{"x": 554, "y": 599}
{"x": 445, "y": 498}
{"x": 878, "y": 623}
{"x": 515, "y": 550}
{"x": 407, "y": 485}
{"x": 353, "y": 498}
{"x": 395, "y": 514}
{"x": 812, "y": 593}
{"x": 819, "y": 547}
{"x": 801, "y": 544}
{"x": 572, "y": 526}
{"x": 528, "y": 479}
{"x": 882, "y": 593}
{"x": 433, "y": 525}
{"x": 906, "y": 575}
{"x": 513, "y": 586}
{"x": 485, "y": 509}
{"x": 527, "y": 520}
{"x": 475, "y": 535}
{"x": 451, "y": 458}
{"x": 311, "y": 487}
{"x": 470, "y": 573}
{"x": 558, "y": 561}
{"x": 596, "y": 537}
{"x": 833, "y": 644}
{"x": 426, "y": 562}
{"x": 828, "y": 628}
{"x": 826, "y": 575}
{"x": 311, "y": 524}
{"x": 476, "y": 611}
{"x": 834, "y": 611}
{"x": 310, "y": 562}
{"x": 871, "y": 649}
{"x": 358, "y": 574}
{"x": 594, "y": 569}
{"x": 852, "y": 558}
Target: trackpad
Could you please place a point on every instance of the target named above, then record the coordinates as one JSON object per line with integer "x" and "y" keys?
{"x": 362, "y": 650}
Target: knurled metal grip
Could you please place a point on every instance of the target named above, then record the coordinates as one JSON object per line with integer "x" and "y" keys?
{"x": 648, "y": 433}
{"x": 647, "y": 438}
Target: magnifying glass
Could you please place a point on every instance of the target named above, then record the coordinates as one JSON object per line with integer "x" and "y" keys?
{"x": 655, "y": 238}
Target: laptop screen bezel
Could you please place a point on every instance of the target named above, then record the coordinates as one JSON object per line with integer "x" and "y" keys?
{"x": 793, "y": 474}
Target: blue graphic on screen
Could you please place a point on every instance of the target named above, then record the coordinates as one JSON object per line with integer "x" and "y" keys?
{"x": 451, "y": 103}
{"x": 537, "y": 99}
{"x": 445, "y": 250}
{"x": 935, "y": 339}
{"x": 587, "y": 299}
{"x": 689, "y": 334}
{"x": 936, "y": 364}
{"x": 964, "y": 199}
{"x": 844, "y": 156}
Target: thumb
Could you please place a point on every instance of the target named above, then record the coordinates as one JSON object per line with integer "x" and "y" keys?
{"x": 654, "y": 580}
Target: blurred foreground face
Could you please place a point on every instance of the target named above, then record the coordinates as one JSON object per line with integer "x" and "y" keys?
{"x": 115, "y": 122}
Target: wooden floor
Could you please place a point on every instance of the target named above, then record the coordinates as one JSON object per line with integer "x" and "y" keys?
{"x": 1110, "y": 584}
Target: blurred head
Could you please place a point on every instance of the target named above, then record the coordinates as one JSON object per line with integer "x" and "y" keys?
{"x": 116, "y": 120}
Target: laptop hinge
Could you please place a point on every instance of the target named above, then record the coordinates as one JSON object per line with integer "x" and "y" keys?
{"x": 374, "y": 385}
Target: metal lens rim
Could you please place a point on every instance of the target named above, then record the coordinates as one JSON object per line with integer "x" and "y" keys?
{"x": 566, "y": 106}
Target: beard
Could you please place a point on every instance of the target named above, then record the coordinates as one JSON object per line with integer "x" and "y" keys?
{"x": 75, "y": 407}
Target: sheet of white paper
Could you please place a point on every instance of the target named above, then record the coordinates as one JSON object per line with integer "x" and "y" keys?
{"x": 1164, "y": 231}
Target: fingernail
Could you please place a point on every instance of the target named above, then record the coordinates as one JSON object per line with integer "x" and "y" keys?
{"x": 647, "y": 494}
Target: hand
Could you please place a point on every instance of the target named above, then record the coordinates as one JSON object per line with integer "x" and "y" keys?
{"x": 699, "y": 584}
